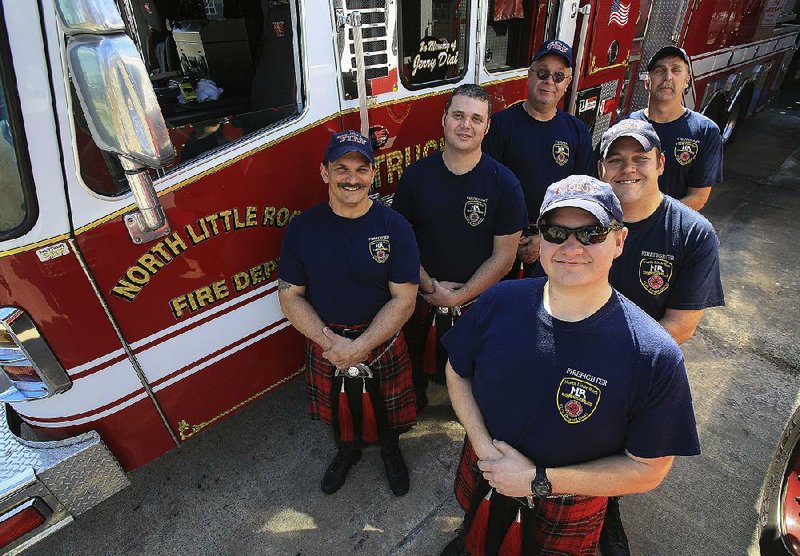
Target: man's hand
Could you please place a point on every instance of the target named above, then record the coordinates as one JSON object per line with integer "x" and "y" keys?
{"x": 510, "y": 474}
{"x": 528, "y": 249}
{"x": 445, "y": 294}
{"x": 344, "y": 352}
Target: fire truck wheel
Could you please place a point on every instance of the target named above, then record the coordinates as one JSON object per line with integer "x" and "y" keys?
{"x": 717, "y": 109}
{"x": 736, "y": 113}
{"x": 780, "y": 504}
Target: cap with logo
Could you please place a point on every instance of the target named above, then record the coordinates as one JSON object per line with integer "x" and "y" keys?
{"x": 349, "y": 142}
{"x": 666, "y": 51}
{"x": 640, "y": 130}
{"x": 557, "y": 47}
{"x": 583, "y": 192}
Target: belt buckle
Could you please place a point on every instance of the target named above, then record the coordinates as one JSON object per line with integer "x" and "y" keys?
{"x": 359, "y": 370}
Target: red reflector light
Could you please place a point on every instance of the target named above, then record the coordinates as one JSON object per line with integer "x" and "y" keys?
{"x": 15, "y": 524}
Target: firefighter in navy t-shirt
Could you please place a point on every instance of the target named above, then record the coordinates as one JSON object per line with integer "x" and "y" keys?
{"x": 539, "y": 142}
{"x": 692, "y": 144}
{"x": 348, "y": 279}
{"x": 670, "y": 265}
{"x": 467, "y": 211}
{"x": 622, "y": 408}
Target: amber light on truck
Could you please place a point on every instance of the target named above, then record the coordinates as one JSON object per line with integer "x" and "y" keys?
{"x": 28, "y": 368}
{"x": 20, "y": 521}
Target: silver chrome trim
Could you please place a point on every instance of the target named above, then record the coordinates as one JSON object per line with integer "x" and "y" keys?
{"x": 53, "y": 379}
{"x": 89, "y": 16}
{"x": 67, "y": 476}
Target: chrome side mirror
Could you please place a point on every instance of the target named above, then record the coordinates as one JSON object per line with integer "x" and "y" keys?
{"x": 119, "y": 104}
{"x": 118, "y": 100}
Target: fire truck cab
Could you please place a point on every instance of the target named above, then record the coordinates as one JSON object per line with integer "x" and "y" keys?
{"x": 153, "y": 151}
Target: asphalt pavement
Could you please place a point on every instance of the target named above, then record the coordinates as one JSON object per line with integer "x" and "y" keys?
{"x": 250, "y": 485}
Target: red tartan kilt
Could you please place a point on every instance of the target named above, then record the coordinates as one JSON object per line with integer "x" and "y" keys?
{"x": 392, "y": 370}
{"x": 569, "y": 526}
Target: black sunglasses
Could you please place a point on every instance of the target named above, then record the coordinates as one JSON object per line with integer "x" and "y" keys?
{"x": 543, "y": 74}
{"x": 587, "y": 235}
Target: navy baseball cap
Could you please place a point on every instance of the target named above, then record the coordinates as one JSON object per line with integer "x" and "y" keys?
{"x": 640, "y": 130}
{"x": 666, "y": 51}
{"x": 349, "y": 142}
{"x": 559, "y": 48}
{"x": 583, "y": 192}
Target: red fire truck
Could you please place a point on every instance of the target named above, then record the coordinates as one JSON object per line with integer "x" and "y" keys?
{"x": 153, "y": 151}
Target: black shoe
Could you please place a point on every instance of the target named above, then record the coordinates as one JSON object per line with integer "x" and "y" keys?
{"x": 613, "y": 540}
{"x": 336, "y": 474}
{"x": 422, "y": 399}
{"x": 456, "y": 547}
{"x": 396, "y": 470}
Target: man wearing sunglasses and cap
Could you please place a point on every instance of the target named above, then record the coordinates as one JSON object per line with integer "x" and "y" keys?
{"x": 534, "y": 473}
{"x": 692, "y": 144}
{"x": 539, "y": 142}
{"x": 670, "y": 265}
{"x": 348, "y": 279}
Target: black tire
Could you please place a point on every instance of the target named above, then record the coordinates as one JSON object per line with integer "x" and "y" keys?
{"x": 773, "y": 541}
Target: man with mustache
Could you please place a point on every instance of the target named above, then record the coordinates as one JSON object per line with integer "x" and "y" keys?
{"x": 691, "y": 142}
{"x": 468, "y": 212}
{"x": 539, "y": 142}
{"x": 348, "y": 278}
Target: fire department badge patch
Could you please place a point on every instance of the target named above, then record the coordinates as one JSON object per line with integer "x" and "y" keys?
{"x": 654, "y": 274}
{"x": 475, "y": 210}
{"x": 686, "y": 150}
{"x": 577, "y": 399}
{"x": 379, "y": 248}
{"x": 560, "y": 152}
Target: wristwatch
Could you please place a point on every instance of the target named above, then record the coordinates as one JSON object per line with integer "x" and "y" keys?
{"x": 540, "y": 486}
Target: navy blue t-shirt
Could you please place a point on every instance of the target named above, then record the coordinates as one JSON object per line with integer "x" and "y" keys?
{"x": 565, "y": 393}
{"x": 540, "y": 153}
{"x": 692, "y": 146}
{"x": 670, "y": 260}
{"x": 455, "y": 218}
{"x": 346, "y": 264}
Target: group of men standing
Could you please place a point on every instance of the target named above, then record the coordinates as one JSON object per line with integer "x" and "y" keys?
{"x": 626, "y": 272}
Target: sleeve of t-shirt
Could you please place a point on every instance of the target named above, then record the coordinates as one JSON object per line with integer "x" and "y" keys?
{"x": 401, "y": 201}
{"x": 585, "y": 161}
{"x": 512, "y": 215}
{"x": 494, "y": 144}
{"x": 697, "y": 283}
{"x": 291, "y": 268}
{"x": 706, "y": 170}
{"x": 404, "y": 257}
{"x": 461, "y": 341}
{"x": 664, "y": 423}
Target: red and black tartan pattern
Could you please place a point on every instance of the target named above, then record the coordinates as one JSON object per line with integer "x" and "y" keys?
{"x": 416, "y": 332}
{"x": 392, "y": 370}
{"x": 556, "y": 526}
